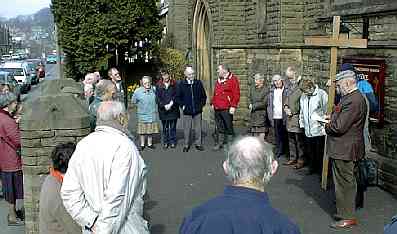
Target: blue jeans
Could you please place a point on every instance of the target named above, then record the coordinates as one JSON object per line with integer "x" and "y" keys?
{"x": 169, "y": 131}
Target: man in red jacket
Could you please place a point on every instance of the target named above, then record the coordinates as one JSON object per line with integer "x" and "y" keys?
{"x": 224, "y": 102}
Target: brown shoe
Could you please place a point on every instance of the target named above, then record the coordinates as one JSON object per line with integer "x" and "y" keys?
{"x": 344, "y": 223}
{"x": 290, "y": 162}
{"x": 299, "y": 165}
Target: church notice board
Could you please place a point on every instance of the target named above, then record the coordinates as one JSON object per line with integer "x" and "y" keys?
{"x": 374, "y": 71}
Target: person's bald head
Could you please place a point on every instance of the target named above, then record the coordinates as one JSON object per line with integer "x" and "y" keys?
{"x": 250, "y": 160}
{"x": 114, "y": 74}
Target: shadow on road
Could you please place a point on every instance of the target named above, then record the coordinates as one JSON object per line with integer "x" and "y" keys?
{"x": 310, "y": 185}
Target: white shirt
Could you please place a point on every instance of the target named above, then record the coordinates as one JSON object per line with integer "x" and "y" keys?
{"x": 278, "y": 103}
{"x": 106, "y": 180}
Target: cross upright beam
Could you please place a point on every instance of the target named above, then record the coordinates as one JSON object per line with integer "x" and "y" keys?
{"x": 334, "y": 42}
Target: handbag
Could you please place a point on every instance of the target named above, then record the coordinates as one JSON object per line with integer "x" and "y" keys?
{"x": 367, "y": 173}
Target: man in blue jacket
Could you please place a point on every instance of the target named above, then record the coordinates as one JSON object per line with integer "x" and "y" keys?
{"x": 244, "y": 207}
{"x": 192, "y": 98}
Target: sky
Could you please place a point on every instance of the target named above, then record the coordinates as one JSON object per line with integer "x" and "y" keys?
{"x": 12, "y": 8}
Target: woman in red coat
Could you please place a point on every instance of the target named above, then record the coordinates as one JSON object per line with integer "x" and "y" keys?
{"x": 10, "y": 159}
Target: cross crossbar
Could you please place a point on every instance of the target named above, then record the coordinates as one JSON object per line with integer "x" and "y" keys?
{"x": 340, "y": 42}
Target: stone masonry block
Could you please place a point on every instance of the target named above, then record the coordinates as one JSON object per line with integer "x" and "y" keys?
{"x": 43, "y": 160}
{"x": 37, "y": 134}
{"x": 35, "y": 170}
{"x": 73, "y": 132}
{"x": 34, "y": 152}
{"x": 56, "y": 140}
{"x": 29, "y": 161}
{"x": 30, "y": 142}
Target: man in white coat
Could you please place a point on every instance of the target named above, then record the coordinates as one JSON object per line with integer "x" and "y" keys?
{"x": 105, "y": 183}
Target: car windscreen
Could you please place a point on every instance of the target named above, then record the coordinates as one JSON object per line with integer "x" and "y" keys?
{"x": 32, "y": 66}
{"x": 14, "y": 71}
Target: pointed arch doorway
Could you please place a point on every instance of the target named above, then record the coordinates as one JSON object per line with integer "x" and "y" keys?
{"x": 202, "y": 44}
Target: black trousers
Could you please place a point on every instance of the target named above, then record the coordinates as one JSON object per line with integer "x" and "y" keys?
{"x": 297, "y": 146}
{"x": 224, "y": 122}
{"x": 281, "y": 137}
{"x": 315, "y": 151}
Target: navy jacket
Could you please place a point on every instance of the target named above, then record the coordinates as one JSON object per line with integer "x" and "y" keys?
{"x": 192, "y": 96}
{"x": 238, "y": 210}
{"x": 165, "y": 96}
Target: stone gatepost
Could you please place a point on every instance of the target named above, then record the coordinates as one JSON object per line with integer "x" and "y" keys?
{"x": 55, "y": 116}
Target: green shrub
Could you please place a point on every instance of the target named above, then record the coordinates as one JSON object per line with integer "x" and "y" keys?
{"x": 173, "y": 61}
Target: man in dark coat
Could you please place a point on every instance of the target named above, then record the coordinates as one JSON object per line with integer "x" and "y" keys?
{"x": 115, "y": 76}
{"x": 345, "y": 145}
{"x": 192, "y": 98}
{"x": 244, "y": 207}
{"x": 168, "y": 108}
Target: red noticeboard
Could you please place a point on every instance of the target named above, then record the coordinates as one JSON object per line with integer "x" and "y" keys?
{"x": 374, "y": 70}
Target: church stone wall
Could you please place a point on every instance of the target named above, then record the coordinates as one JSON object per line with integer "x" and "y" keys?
{"x": 268, "y": 35}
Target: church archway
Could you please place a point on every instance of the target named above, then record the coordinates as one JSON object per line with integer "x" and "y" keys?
{"x": 202, "y": 44}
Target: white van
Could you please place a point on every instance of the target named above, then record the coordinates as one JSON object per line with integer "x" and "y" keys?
{"x": 20, "y": 72}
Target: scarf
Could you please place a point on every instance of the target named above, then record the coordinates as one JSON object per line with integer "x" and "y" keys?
{"x": 57, "y": 174}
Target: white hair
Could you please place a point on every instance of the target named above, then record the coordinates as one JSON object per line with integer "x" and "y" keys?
{"x": 148, "y": 78}
{"x": 249, "y": 159}
{"x": 102, "y": 87}
{"x": 110, "y": 111}
{"x": 277, "y": 77}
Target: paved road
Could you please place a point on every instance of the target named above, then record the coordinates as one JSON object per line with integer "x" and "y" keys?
{"x": 179, "y": 181}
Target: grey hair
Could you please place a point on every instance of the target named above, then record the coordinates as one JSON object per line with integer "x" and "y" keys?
{"x": 7, "y": 98}
{"x": 259, "y": 76}
{"x": 147, "y": 78}
{"x": 110, "y": 111}
{"x": 225, "y": 67}
{"x": 249, "y": 159}
{"x": 111, "y": 70}
{"x": 277, "y": 77}
{"x": 102, "y": 87}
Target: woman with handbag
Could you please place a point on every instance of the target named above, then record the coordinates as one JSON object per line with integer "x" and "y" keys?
{"x": 10, "y": 159}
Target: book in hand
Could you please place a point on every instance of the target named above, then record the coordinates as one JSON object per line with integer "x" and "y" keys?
{"x": 319, "y": 118}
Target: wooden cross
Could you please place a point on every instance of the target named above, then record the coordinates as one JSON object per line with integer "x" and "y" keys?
{"x": 334, "y": 42}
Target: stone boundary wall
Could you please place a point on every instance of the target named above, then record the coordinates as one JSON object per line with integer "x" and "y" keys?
{"x": 37, "y": 147}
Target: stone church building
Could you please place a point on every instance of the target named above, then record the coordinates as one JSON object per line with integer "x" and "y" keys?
{"x": 266, "y": 36}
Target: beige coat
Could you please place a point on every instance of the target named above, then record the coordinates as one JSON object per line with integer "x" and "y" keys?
{"x": 293, "y": 97}
{"x": 53, "y": 216}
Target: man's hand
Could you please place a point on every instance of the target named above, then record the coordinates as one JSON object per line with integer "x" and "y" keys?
{"x": 232, "y": 110}
{"x": 250, "y": 107}
{"x": 288, "y": 111}
{"x": 169, "y": 105}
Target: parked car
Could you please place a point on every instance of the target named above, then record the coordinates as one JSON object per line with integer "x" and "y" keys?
{"x": 20, "y": 72}
{"x": 41, "y": 71}
{"x": 6, "y": 57}
{"x": 52, "y": 58}
{"x": 33, "y": 65}
{"x": 8, "y": 79}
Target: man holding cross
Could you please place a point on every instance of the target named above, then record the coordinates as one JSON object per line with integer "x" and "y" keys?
{"x": 345, "y": 146}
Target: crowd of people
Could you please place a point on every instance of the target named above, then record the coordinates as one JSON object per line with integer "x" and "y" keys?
{"x": 98, "y": 185}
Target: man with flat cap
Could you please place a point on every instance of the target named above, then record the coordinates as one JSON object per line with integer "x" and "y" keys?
{"x": 345, "y": 146}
